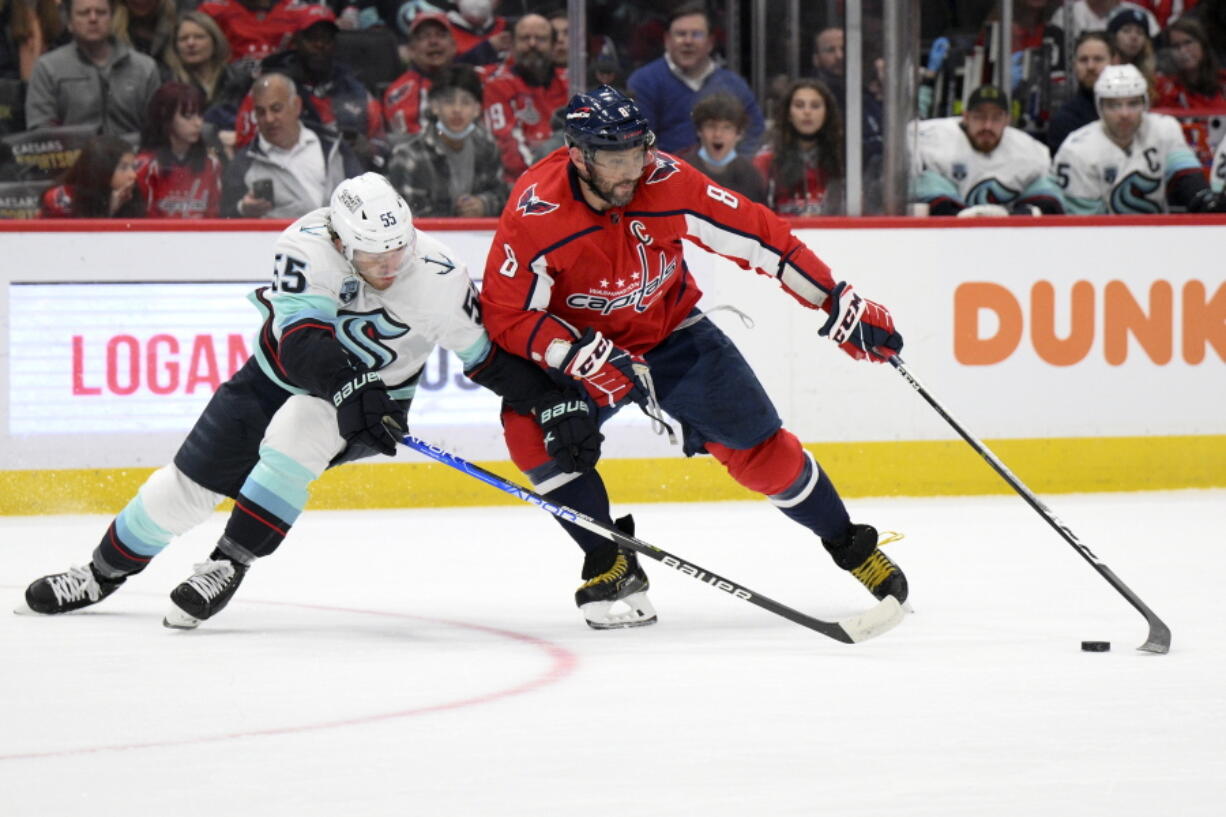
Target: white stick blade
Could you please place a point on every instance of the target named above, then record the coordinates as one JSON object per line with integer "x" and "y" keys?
{"x": 887, "y": 615}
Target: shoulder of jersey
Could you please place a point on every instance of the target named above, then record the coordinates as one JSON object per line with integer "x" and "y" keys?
{"x": 938, "y": 136}
{"x": 667, "y": 168}
{"x": 1166, "y": 124}
{"x": 311, "y": 240}
{"x": 544, "y": 189}
{"x": 1028, "y": 145}
{"x": 1082, "y": 137}
{"x": 435, "y": 257}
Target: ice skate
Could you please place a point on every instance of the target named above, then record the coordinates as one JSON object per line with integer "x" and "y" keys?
{"x": 204, "y": 594}
{"x": 64, "y": 592}
{"x": 616, "y": 597}
{"x": 876, "y": 571}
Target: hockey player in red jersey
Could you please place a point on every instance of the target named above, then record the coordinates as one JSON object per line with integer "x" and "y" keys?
{"x": 586, "y": 278}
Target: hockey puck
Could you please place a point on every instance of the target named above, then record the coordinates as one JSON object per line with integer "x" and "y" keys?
{"x": 1095, "y": 646}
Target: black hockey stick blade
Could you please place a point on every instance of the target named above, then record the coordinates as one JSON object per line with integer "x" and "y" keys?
{"x": 1159, "y": 638}
{"x": 851, "y": 630}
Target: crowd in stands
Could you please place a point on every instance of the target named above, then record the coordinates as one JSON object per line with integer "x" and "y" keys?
{"x": 257, "y": 108}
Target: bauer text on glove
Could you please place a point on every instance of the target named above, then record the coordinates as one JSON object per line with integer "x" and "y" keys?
{"x": 572, "y": 435}
{"x": 366, "y": 413}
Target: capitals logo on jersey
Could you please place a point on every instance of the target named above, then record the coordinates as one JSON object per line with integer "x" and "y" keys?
{"x": 530, "y": 205}
{"x": 665, "y": 167}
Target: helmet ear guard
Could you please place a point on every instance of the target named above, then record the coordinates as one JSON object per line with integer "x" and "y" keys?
{"x": 368, "y": 214}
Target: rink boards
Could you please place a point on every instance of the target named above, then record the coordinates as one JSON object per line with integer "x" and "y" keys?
{"x": 1088, "y": 354}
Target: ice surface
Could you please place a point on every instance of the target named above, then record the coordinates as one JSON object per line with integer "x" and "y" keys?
{"x": 431, "y": 662}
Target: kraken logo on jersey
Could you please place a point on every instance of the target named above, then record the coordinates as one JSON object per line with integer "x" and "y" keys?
{"x": 363, "y": 334}
{"x": 990, "y": 191}
{"x": 1132, "y": 194}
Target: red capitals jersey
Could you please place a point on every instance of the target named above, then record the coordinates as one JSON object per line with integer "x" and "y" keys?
{"x": 466, "y": 37}
{"x": 404, "y": 102}
{"x": 556, "y": 266}
{"x": 517, "y": 115}
{"x": 56, "y": 203}
{"x": 256, "y": 34}
{"x": 172, "y": 189}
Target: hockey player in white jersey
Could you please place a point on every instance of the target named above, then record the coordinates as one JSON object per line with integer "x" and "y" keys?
{"x": 1131, "y": 160}
{"x": 977, "y": 163}
{"x": 1217, "y": 177}
{"x": 358, "y": 300}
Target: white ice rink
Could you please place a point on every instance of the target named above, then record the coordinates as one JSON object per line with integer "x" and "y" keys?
{"x": 431, "y": 663}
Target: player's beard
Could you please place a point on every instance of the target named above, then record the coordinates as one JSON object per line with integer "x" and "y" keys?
{"x": 985, "y": 141}
{"x": 616, "y": 195}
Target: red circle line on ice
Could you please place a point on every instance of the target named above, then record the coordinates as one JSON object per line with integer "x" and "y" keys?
{"x": 562, "y": 663}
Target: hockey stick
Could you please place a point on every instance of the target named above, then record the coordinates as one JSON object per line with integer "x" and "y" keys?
{"x": 1159, "y": 639}
{"x": 853, "y": 629}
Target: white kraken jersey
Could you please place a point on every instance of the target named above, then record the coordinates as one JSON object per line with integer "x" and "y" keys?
{"x": 949, "y": 167}
{"x": 393, "y": 331}
{"x": 1217, "y": 178}
{"x": 1098, "y": 176}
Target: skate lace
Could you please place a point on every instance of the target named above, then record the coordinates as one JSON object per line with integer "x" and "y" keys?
{"x": 211, "y": 578}
{"x": 620, "y": 566}
{"x": 875, "y": 569}
{"x": 73, "y": 585}
{"x": 885, "y": 537}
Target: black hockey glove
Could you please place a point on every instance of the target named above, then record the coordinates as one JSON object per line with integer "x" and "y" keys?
{"x": 367, "y": 414}
{"x": 572, "y": 436}
{"x": 1206, "y": 201}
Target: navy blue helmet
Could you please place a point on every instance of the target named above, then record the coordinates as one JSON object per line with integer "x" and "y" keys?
{"x": 606, "y": 119}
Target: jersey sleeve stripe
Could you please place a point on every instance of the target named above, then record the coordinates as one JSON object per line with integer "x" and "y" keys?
{"x": 540, "y": 323}
{"x": 542, "y": 285}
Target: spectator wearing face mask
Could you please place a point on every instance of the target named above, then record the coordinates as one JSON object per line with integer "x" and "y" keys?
{"x": 720, "y": 120}
{"x": 451, "y": 168}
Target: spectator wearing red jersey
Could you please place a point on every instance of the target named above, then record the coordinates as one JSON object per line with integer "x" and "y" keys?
{"x": 1195, "y": 81}
{"x": 100, "y": 184}
{"x": 431, "y": 49}
{"x": 523, "y": 93}
{"x": 175, "y": 174}
{"x": 258, "y": 28}
{"x": 481, "y": 36}
{"x": 803, "y": 165}
{"x": 334, "y": 99}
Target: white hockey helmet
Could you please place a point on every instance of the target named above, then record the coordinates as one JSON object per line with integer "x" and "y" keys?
{"x": 1120, "y": 82}
{"x": 369, "y": 215}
